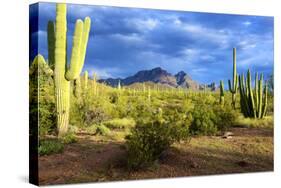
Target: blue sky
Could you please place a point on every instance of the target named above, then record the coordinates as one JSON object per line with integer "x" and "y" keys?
{"x": 124, "y": 40}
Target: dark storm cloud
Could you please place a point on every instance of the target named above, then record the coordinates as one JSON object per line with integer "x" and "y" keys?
{"x": 124, "y": 40}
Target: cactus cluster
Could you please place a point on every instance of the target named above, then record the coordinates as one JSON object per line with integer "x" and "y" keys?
{"x": 253, "y": 102}
{"x": 234, "y": 86}
{"x": 57, "y": 52}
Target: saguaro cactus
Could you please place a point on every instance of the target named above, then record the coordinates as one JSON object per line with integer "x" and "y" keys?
{"x": 62, "y": 74}
{"x": 233, "y": 87}
{"x": 253, "y": 105}
{"x": 119, "y": 85}
{"x": 149, "y": 94}
{"x": 95, "y": 86}
{"x": 221, "y": 93}
{"x": 86, "y": 77}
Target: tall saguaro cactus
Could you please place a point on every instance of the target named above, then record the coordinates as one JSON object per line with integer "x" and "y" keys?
{"x": 62, "y": 74}
{"x": 221, "y": 93}
{"x": 86, "y": 78}
{"x": 233, "y": 87}
{"x": 95, "y": 86}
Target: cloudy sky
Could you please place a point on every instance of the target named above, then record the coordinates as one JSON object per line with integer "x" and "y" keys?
{"x": 123, "y": 41}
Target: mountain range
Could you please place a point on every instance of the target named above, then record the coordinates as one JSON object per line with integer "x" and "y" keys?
{"x": 158, "y": 76}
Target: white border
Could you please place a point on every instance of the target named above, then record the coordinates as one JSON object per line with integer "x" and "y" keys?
{"x": 14, "y": 91}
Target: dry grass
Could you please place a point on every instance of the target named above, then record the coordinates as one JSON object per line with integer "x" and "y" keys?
{"x": 267, "y": 122}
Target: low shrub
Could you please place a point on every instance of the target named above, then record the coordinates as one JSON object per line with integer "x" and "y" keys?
{"x": 147, "y": 141}
{"x": 123, "y": 123}
{"x": 204, "y": 121}
{"x": 69, "y": 138}
{"x": 225, "y": 117}
{"x": 47, "y": 147}
{"x": 91, "y": 129}
{"x": 102, "y": 130}
{"x": 266, "y": 122}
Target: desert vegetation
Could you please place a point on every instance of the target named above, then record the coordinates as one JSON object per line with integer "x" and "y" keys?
{"x": 142, "y": 130}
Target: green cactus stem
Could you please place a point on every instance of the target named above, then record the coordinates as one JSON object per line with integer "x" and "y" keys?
{"x": 95, "y": 86}
{"x": 233, "y": 87}
{"x": 264, "y": 107}
{"x": 221, "y": 93}
{"x": 57, "y": 55}
{"x": 86, "y": 78}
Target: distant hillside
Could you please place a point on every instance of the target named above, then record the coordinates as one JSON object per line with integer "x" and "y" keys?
{"x": 157, "y": 76}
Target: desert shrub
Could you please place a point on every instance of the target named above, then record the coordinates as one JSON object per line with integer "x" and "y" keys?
{"x": 69, "y": 138}
{"x": 47, "y": 147}
{"x": 147, "y": 141}
{"x": 144, "y": 111}
{"x": 102, "y": 130}
{"x": 123, "y": 123}
{"x": 113, "y": 97}
{"x": 41, "y": 97}
{"x": 88, "y": 110}
{"x": 91, "y": 129}
{"x": 225, "y": 117}
{"x": 204, "y": 120}
{"x": 47, "y": 124}
{"x": 73, "y": 129}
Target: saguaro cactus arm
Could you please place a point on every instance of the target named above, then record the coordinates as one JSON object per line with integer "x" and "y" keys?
{"x": 85, "y": 37}
{"x": 75, "y": 62}
{"x": 51, "y": 44}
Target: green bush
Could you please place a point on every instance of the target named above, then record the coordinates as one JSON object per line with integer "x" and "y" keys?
{"x": 69, "y": 138}
{"x": 47, "y": 147}
{"x": 147, "y": 141}
{"x": 225, "y": 117}
{"x": 102, "y": 130}
{"x": 204, "y": 120}
{"x": 123, "y": 123}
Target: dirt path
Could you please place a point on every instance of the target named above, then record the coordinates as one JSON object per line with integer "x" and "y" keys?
{"x": 88, "y": 160}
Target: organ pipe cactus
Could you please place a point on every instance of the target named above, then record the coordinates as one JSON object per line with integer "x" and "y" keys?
{"x": 221, "y": 93}
{"x": 253, "y": 104}
{"x": 57, "y": 51}
{"x": 233, "y": 87}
